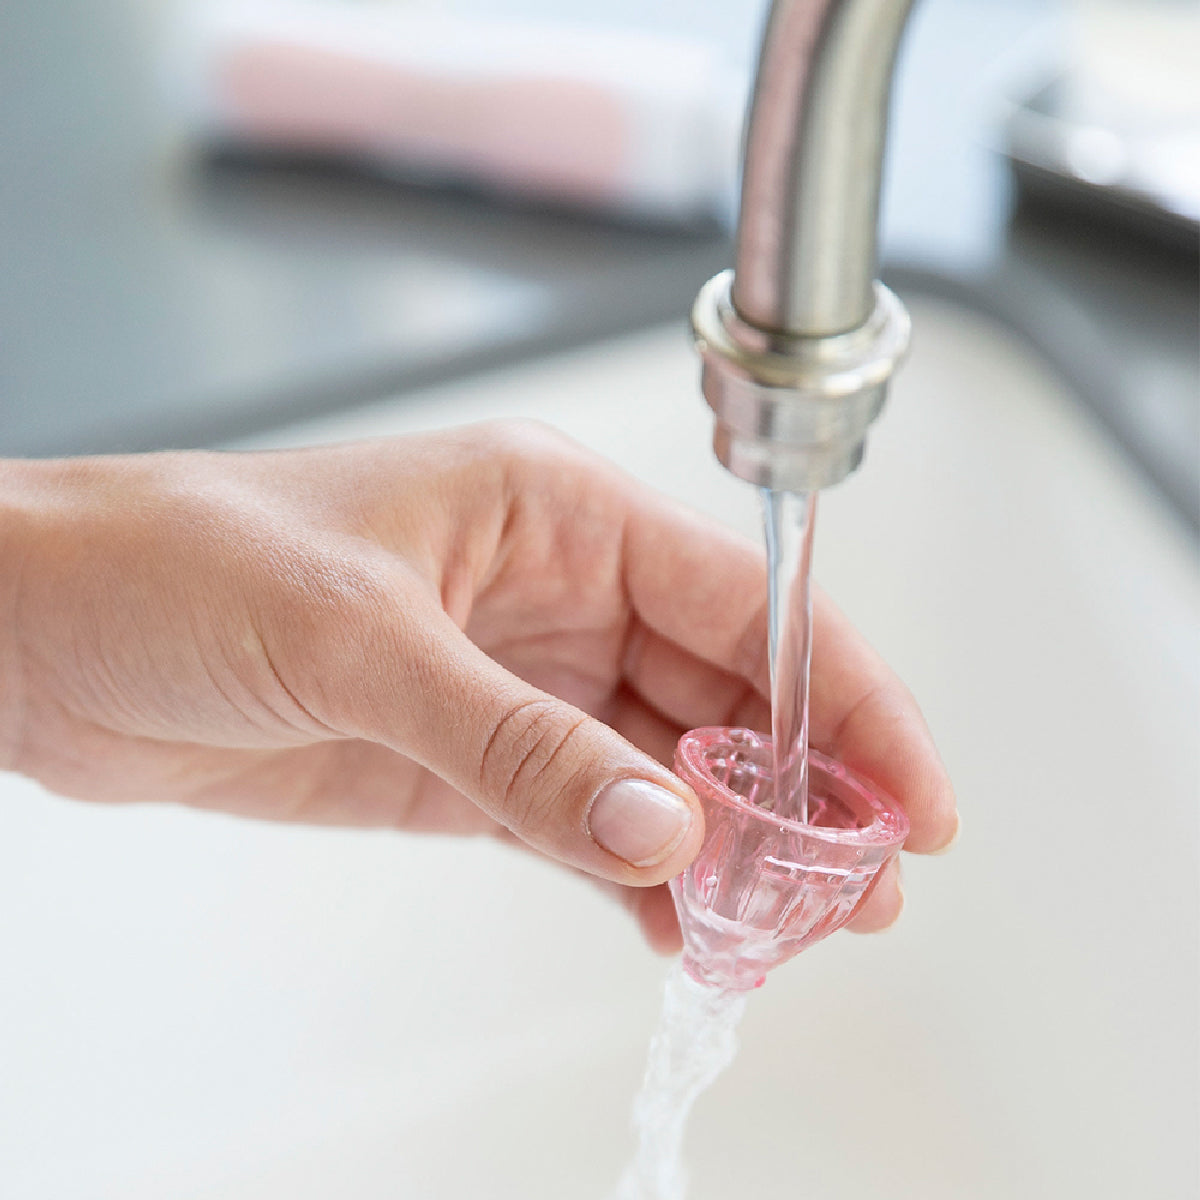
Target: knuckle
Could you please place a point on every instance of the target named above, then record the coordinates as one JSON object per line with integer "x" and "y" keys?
{"x": 528, "y": 762}
{"x": 524, "y": 438}
{"x": 323, "y": 621}
{"x": 530, "y": 449}
{"x": 334, "y": 596}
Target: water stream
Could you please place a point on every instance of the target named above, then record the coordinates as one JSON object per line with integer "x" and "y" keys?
{"x": 693, "y": 1044}
{"x": 695, "y": 1040}
{"x": 788, "y": 520}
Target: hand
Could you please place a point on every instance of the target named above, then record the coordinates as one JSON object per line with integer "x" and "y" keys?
{"x": 482, "y": 631}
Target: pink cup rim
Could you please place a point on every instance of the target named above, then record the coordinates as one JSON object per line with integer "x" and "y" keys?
{"x": 890, "y": 825}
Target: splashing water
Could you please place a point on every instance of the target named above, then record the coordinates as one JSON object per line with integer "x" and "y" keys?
{"x": 693, "y": 1044}
{"x": 788, "y": 520}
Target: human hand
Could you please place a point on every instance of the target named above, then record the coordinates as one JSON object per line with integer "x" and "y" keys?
{"x": 488, "y": 630}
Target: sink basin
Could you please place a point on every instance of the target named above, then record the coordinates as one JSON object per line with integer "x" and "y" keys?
{"x": 245, "y": 1012}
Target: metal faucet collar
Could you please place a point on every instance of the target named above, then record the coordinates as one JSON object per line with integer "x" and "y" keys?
{"x": 799, "y": 342}
{"x": 792, "y": 412}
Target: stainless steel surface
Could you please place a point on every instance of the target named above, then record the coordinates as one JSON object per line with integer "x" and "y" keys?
{"x": 792, "y": 413}
{"x": 807, "y": 241}
{"x": 799, "y": 343}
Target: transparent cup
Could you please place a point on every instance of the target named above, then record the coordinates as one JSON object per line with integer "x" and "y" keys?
{"x": 764, "y": 887}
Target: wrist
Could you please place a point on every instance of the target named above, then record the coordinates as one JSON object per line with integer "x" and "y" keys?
{"x": 25, "y": 488}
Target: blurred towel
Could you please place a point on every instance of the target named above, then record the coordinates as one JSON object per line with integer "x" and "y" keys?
{"x": 616, "y": 121}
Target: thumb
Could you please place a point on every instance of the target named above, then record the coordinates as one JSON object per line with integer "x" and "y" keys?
{"x": 562, "y": 781}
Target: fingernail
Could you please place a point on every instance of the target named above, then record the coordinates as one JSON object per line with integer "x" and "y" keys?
{"x": 954, "y": 837}
{"x": 638, "y": 821}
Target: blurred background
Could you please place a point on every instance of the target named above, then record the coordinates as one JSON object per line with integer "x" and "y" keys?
{"x": 262, "y": 225}
{"x": 203, "y": 234}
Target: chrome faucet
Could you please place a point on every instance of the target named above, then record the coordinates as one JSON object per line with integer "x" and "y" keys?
{"x": 798, "y": 342}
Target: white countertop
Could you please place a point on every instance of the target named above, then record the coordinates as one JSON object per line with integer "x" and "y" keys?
{"x": 195, "y": 1007}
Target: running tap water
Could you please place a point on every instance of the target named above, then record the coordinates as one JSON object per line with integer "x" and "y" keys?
{"x": 788, "y": 525}
{"x": 693, "y": 1044}
{"x": 797, "y": 346}
{"x": 763, "y": 887}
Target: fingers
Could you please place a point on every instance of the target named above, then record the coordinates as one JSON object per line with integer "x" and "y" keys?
{"x": 883, "y": 904}
{"x": 689, "y": 691}
{"x": 654, "y": 911}
{"x": 642, "y": 725}
{"x": 700, "y": 592}
{"x": 562, "y": 781}
{"x": 701, "y": 588}
{"x": 864, "y": 716}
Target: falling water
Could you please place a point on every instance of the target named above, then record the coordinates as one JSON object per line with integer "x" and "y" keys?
{"x": 695, "y": 1038}
{"x": 693, "y": 1044}
{"x": 788, "y": 520}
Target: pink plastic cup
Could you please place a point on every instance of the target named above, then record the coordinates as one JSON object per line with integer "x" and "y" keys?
{"x": 764, "y": 887}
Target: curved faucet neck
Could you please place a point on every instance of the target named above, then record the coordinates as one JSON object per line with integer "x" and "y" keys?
{"x": 808, "y": 231}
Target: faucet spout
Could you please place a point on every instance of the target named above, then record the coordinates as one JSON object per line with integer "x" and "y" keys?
{"x": 799, "y": 341}
{"x": 813, "y": 163}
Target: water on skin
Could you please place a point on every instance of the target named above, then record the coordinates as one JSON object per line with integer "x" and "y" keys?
{"x": 788, "y": 520}
{"x": 693, "y": 1044}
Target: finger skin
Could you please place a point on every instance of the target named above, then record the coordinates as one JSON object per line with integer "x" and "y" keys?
{"x": 655, "y": 912}
{"x": 701, "y": 594}
{"x": 531, "y": 762}
{"x": 883, "y": 904}
{"x": 458, "y": 631}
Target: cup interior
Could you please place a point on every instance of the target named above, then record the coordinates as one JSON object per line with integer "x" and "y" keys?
{"x": 736, "y": 767}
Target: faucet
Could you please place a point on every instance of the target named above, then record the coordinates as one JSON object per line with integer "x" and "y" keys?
{"x": 797, "y": 345}
{"x": 799, "y": 340}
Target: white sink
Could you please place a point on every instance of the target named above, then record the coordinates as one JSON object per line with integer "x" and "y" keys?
{"x": 200, "y": 1008}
